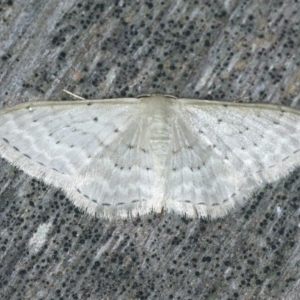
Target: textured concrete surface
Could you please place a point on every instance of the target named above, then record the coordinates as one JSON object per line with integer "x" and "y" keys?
{"x": 246, "y": 50}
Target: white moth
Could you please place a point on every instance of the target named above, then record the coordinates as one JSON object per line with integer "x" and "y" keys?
{"x": 130, "y": 156}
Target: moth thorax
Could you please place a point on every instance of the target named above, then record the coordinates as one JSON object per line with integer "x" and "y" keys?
{"x": 157, "y": 113}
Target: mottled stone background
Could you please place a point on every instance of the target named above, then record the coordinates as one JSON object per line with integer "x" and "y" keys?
{"x": 247, "y": 50}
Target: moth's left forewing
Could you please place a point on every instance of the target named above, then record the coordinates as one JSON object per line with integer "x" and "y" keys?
{"x": 64, "y": 142}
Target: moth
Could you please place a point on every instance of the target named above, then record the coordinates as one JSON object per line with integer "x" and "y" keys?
{"x": 119, "y": 158}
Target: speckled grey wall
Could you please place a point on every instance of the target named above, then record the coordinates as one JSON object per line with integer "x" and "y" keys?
{"x": 246, "y": 50}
